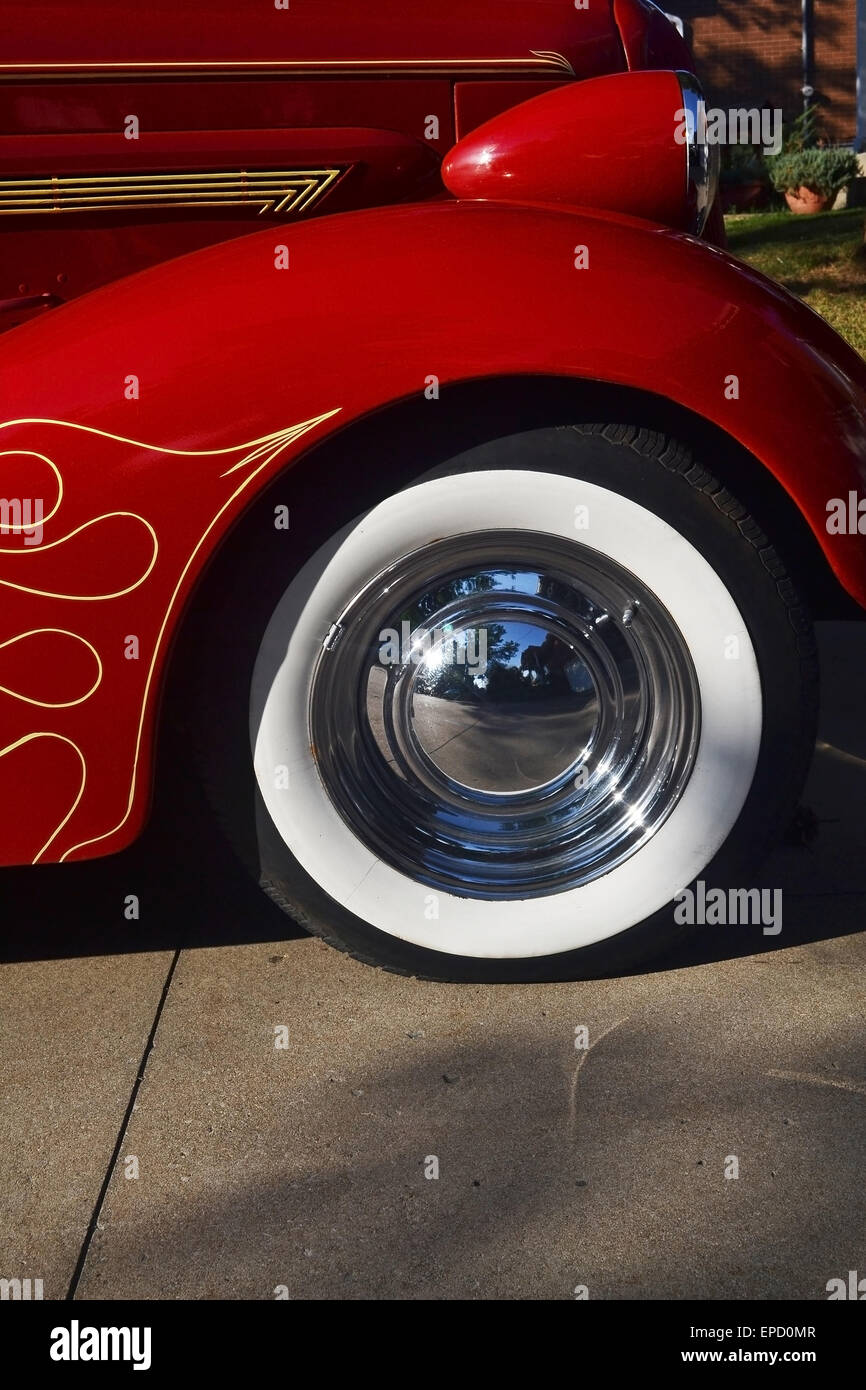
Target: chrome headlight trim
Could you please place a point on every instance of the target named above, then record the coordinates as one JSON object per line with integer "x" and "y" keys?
{"x": 702, "y": 159}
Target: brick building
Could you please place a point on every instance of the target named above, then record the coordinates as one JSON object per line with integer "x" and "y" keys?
{"x": 750, "y": 53}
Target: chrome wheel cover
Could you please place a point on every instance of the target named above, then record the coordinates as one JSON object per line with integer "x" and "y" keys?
{"x": 526, "y": 774}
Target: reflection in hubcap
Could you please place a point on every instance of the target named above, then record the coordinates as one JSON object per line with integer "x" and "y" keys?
{"x": 521, "y": 726}
{"x": 507, "y": 726}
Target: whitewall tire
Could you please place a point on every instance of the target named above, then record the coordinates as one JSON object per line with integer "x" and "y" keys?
{"x": 331, "y": 849}
{"x": 497, "y": 722}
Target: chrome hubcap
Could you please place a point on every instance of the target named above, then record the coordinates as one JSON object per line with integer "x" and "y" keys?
{"x": 508, "y": 726}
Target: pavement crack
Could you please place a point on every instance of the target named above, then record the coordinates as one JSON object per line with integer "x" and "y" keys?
{"x": 572, "y": 1095}
{"x": 810, "y": 1079}
{"x": 94, "y": 1224}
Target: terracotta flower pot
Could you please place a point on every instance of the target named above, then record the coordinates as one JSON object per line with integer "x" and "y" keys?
{"x": 806, "y": 200}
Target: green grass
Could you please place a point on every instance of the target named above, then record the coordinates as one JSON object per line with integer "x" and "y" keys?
{"x": 813, "y": 257}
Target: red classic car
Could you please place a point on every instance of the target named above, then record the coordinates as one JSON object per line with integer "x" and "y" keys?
{"x": 385, "y": 373}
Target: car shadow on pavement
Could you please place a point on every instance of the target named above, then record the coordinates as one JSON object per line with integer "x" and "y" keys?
{"x": 484, "y": 1176}
{"x": 191, "y": 887}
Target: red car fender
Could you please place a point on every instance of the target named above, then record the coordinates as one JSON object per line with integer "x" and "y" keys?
{"x": 245, "y": 354}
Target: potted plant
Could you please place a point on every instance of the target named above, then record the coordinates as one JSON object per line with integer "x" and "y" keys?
{"x": 807, "y": 171}
{"x": 811, "y": 178}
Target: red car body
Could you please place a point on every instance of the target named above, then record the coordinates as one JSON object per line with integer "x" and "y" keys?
{"x": 150, "y": 411}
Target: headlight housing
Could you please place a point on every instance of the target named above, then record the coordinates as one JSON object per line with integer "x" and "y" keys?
{"x": 617, "y": 143}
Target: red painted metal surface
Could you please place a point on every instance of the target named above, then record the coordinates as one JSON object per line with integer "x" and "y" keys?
{"x": 476, "y": 102}
{"x": 386, "y": 160}
{"x": 70, "y": 75}
{"x": 582, "y": 145}
{"x": 219, "y": 75}
{"x": 216, "y": 104}
{"x": 325, "y": 33}
{"x": 75, "y": 252}
{"x": 649, "y": 38}
{"x": 240, "y": 367}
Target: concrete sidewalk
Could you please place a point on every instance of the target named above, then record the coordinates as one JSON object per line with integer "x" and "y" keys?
{"x": 305, "y": 1168}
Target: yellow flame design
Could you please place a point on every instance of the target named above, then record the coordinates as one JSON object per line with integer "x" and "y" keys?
{"x": 61, "y": 738}
{"x": 259, "y": 452}
{"x": 54, "y": 704}
{"x": 84, "y": 598}
{"x": 31, "y": 453}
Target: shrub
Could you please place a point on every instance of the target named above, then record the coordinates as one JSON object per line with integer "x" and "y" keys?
{"x": 824, "y": 171}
